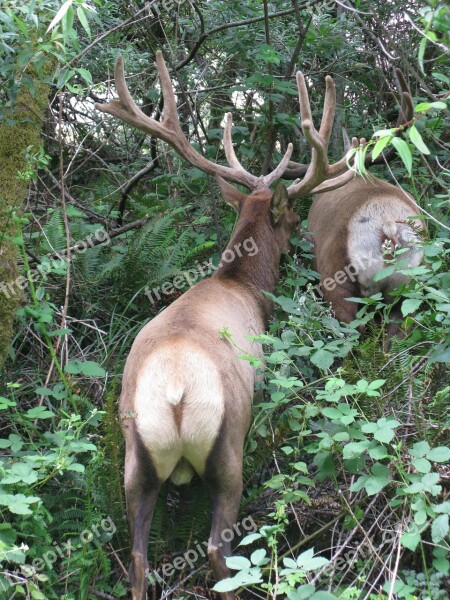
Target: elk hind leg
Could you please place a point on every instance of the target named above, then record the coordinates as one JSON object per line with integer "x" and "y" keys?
{"x": 223, "y": 478}
{"x": 141, "y": 490}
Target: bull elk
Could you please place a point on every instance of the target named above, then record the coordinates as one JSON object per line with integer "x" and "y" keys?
{"x": 186, "y": 398}
{"x": 356, "y": 229}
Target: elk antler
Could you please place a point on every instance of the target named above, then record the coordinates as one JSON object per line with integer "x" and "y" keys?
{"x": 319, "y": 175}
{"x": 406, "y": 114}
{"x": 169, "y": 130}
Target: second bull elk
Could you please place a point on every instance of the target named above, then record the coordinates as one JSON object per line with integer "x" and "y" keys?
{"x": 356, "y": 231}
{"x": 186, "y": 397}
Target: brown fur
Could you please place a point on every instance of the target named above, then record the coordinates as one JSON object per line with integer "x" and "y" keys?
{"x": 179, "y": 362}
{"x": 365, "y": 210}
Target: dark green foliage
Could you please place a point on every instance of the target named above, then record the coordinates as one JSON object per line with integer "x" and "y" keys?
{"x": 347, "y": 450}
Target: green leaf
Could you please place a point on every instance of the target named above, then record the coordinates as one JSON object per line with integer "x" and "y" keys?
{"x": 410, "y": 540}
{"x": 77, "y": 467}
{"x": 377, "y": 383}
{"x": 240, "y": 579}
{"x": 440, "y": 528}
{"x": 83, "y": 20}
{"x": 385, "y": 272}
{"x": 237, "y": 563}
{"x": 369, "y": 427}
{"x": 18, "y": 503}
{"x": 382, "y": 133}
{"x": 417, "y": 140}
{"x": 422, "y": 465}
{"x": 355, "y": 449}
{"x": 59, "y": 332}
{"x": 258, "y": 557}
{"x": 441, "y": 564}
{"x": 323, "y": 359}
{"x": 85, "y": 74}
{"x": 302, "y": 593}
{"x": 410, "y": 305}
{"x": 441, "y": 77}
{"x": 226, "y": 585}
{"x": 419, "y": 449}
{"x": 404, "y": 152}
{"x": 8, "y": 535}
{"x": 313, "y": 563}
{"x": 5, "y": 403}
{"x": 301, "y": 466}
{"x": 385, "y": 435}
{"x": 420, "y": 517}
{"x": 20, "y": 471}
{"x": 44, "y": 391}
{"x": 306, "y": 561}
{"x": 60, "y": 14}
{"x": 331, "y": 413}
{"x": 88, "y": 367}
{"x": 39, "y": 412}
{"x": 441, "y": 353}
{"x": 380, "y": 146}
{"x": 380, "y": 478}
{"x": 268, "y": 54}
{"x": 249, "y": 539}
{"x": 378, "y": 452}
{"x": 441, "y": 454}
{"x": 424, "y": 106}
{"x": 289, "y": 563}
{"x": 421, "y": 53}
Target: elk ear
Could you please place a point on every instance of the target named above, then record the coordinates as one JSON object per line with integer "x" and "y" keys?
{"x": 280, "y": 202}
{"x": 230, "y": 194}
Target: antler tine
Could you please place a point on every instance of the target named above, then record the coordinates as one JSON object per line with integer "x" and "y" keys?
{"x": 407, "y": 106}
{"x": 228, "y": 144}
{"x": 170, "y": 115}
{"x": 329, "y": 110}
{"x": 280, "y": 169}
{"x": 126, "y": 109}
{"x": 320, "y": 176}
{"x": 266, "y": 180}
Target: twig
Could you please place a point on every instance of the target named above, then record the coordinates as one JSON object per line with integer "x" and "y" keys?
{"x": 66, "y": 228}
{"x": 100, "y": 594}
{"x": 394, "y": 574}
{"x": 349, "y": 538}
{"x": 358, "y": 525}
{"x": 77, "y": 203}
{"x": 211, "y": 32}
{"x": 95, "y": 242}
{"x": 131, "y": 183}
{"x": 99, "y": 38}
{"x": 121, "y": 565}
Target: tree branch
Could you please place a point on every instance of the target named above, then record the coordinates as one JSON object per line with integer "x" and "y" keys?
{"x": 195, "y": 48}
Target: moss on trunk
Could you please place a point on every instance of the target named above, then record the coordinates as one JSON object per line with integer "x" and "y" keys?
{"x": 18, "y": 131}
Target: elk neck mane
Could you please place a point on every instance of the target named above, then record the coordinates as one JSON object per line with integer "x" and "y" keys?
{"x": 258, "y": 270}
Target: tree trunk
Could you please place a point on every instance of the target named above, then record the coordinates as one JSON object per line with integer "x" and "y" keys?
{"x": 19, "y": 130}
